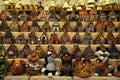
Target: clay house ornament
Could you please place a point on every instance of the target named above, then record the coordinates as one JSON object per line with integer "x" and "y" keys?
{"x": 110, "y": 38}
{"x": 35, "y": 26}
{"x": 56, "y": 26}
{"x": 76, "y": 38}
{"x": 33, "y": 39}
{"x": 112, "y": 16}
{"x": 46, "y": 27}
{"x": 43, "y": 39}
{"x": 26, "y": 50}
{"x": 14, "y": 26}
{"x": 12, "y": 51}
{"x": 23, "y": 16}
{"x": 2, "y": 50}
{"x": 25, "y": 27}
{"x": 100, "y": 26}
{"x": 90, "y": 27}
{"x": 87, "y": 38}
{"x": 79, "y": 27}
{"x": 21, "y": 39}
{"x": 54, "y": 39}
{"x": 3, "y": 25}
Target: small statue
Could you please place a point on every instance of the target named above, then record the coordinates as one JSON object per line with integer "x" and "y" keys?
{"x": 17, "y": 66}
{"x": 42, "y": 16}
{"x": 3, "y": 15}
{"x": 33, "y": 65}
{"x": 25, "y": 27}
{"x": 79, "y": 27}
{"x": 35, "y": 27}
{"x": 12, "y": 51}
{"x": 39, "y": 51}
{"x": 3, "y": 26}
{"x": 20, "y": 39}
{"x": 63, "y": 14}
{"x": 110, "y": 26}
{"x": 23, "y": 16}
{"x": 34, "y": 15}
{"x": 25, "y": 51}
{"x": 14, "y": 26}
{"x": 100, "y": 26}
{"x": 92, "y": 15}
{"x": 83, "y": 15}
{"x": 90, "y": 27}
{"x": 112, "y": 16}
{"x": 46, "y": 27}
{"x": 117, "y": 39}
{"x": 76, "y": 38}
{"x": 102, "y": 16}
{"x": 43, "y": 38}
{"x": 56, "y": 26}
{"x": 65, "y": 38}
{"x": 2, "y": 50}
{"x": 15, "y": 15}
{"x": 33, "y": 39}
{"x": 63, "y": 50}
{"x": 54, "y": 39}
{"x": 73, "y": 16}
{"x": 110, "y": 38}
{"x": 88, "y": 38}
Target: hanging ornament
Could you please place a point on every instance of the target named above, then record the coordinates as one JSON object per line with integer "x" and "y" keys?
{"x": 43, "y": 38}
{"x": 110, "y": 26}
{"x": 56, "y": 27}
{"x": 35, "y": 27}
{"x": 46, "y": 27}
{"x": 23, "y": 16}
{"x": 3, "y": 26}
{"x": 25, "y": 27}
{"x": 20, "y": 39}
{"x": 110, "y": 38}
{"x": 90, "y": 27}
{"x": 79, "y": 27}
{"x": 63, "y": 50}
{"x": 33, "y": 39}
{"x": 14, "y": 26}
{"x": 76, "y": 38}
{"x": 87, "y": 38}
{"x": 2, "y": 50}
{"x": 54, "y": 39}
{"x": 100, "y": 26}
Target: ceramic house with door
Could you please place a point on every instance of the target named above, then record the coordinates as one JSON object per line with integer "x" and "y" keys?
{"x": 33, "y": 39}
{"x": 39, "y": 51}
{"x": 25, "y": 51}
{"x": 24, "y": 27}
{"x": 79, "y": 27}
{"x": 56, "y": 26}
{"x": 46, "y": 27}
{"x": 110, "y": 26}
{"x": 87, "y": 38}
{"x": 12, "y": 52}
{"x": 35, "y": 27}
{"x": 54, "y": 39}
{"x": 2, "y": 50}
{"x": 76, "y": 38}
{"x": 8, "y": 38}
{"x": 110, "y": 38}
{"x": 112, "y": 16}
{"x": 14, "y": 26}
{"x": 43, "y": 39}
{"x": 90, "y": 27}
{"x": 21, "y": 39}
{"x": 3, "y": 26}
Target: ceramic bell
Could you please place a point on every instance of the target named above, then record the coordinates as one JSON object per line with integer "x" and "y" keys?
{"x": 42, "y": 16}
{"x": 43, "y": 38}
{"x": 88, "y": 52}
{"x": 83, "y": 15}
{"x": 99, "y": 39}
{"x": 24, "y": 27}
{"x": 65, "y": 38}
{"x": 117, "y": 39}
{"x": 63, "y": 50}
{"x": 56, "y": 26}
{"x": 90, "y": 27}
{"x": 35, "y": 27}
{"x": 3, "y": 26}
{"x": 20, "y": 39}
{"x": 63, "y": 14}
{"x": 76, "y": 38}
{"x": 46, "y": 27}
{"x": 112, "y": 16}
{"x": 87, "y": 38}
{"x": 33, "y": 39}
{"x": 14, "y": 26}
{"x": 77, "y": 52}
{"x": 110, "y": 26}
{"x": 114, "y": 52}
{"x": 39, "y": 51}
{"x": 23, "y": 16}
{"x": 12, "y": 51}
{"x": 100, "y": 26}
{"x": 110, "y": 38}
{"x": 102, "y": 16}
{"x": 67, "y": 27}
{"x": 2, "y": 50}
{"x": 54, "y": 39}
{"x": 25, "y": 51}
{"x": 79, "y": 27}
{"x": 8, "y": 38}
{"x": 92, "y": 15}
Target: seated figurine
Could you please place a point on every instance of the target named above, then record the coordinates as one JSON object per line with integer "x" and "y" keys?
{"x": 102, "y": 16}
{"x": 53, "y": 17}
{"x": 42, "y": 16}
{"x": 39, "y": 51}
{"x": 73, "y": 16}
{"x": 63, "y": 50}
{"x": 34, "y": 15}
{"x": 23, "y": 16}
{"x": 112, "y": 16}
{"x": 83, "y": 15}
{"x": 54, "y": 39}
{"x": 63, "y": 14}
{"x": 92, "y": 15}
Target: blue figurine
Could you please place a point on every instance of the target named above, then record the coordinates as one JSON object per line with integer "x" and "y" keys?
{"x": 62, "y": 51}
{"x": 88, "y": 38}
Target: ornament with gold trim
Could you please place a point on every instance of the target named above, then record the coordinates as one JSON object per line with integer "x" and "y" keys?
{"x": 25, "y": 27}
{"x": 90, "y": 27}
{"x": 33, "y": 39}
{"x": 2, "y": 50}
{"x": 46, "y": 27}
{"x": 56, "y": 26}
{"x": 21, "y": 39}
{"x": 88, "y": 38}
{"x": 35, "y": 26}
{"x": 76, "y": 38}
{"x": 3, "y": 25}
{"x": 43, "y": 39}
{"x": 54, "y": 39}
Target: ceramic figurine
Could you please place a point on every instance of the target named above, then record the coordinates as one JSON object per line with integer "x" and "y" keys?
{"x": 63, "y": 14}
{"x": 83, "y": 15}
{"x": 14, "y": 26}
{"x": 8, "y": 38}
{"x": 101, "y": 65}
{"x": 66, "y": 67}
{"x": 39, "y": 51}
{"x": 76, "y": 38}
{"x": 12, "y": 51}
{"x": 23, "y": 16}
{"x": 26, "y": 7}
{"x": 88, "y": 52}
{"x": 114, "y": 52}
{"x": 34, "y": 15}
{"x": 3, "y": 67}
{"x": 110, "y": 26}
{"x": 112, "y": 16}
{"x": 3, "y": 26}
{"x": 87, "y": 38}
{"x": 67, "y": 27}
{"x": 25, "y": 27}
{"x": 20, "y": 39}
{"x": 99, "y": 39}
{"x": 25, "y": 51}
{"x": 46, "y": 27}
{"x": 65, "y": 38}
{"x": 51, "y": 49}
{"x": 2, "y": 50}
{"x": 79, "y": 27}
{"x": 73, "y": 16}
{"x": 100, "y": 26}
{"x": 54, "y": 39}
{"x": 102, "y": 16}
{"x": 43, "y": 38}
{"x": 110, "y": 38}
{"x": 90, "y": 27}
{"x": 63, "y": 50}
{"x": 82, "y": 67}
{"x": 17, "y": 66}
{"x": 49, "y": 67}
{"x": 42, "y": 16}
{"x": 117, "y": 39}
{"x": 33, "y": 66}
{"x": 14, "y": 15}
{"x": 92, "y": 15}
{"x": 56, "y": 26}
{"x": 35, "y": 27}
{"x": 33, "y": 39}
{"x": 3, "y": 15}
{"x": 77, "y": 52}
